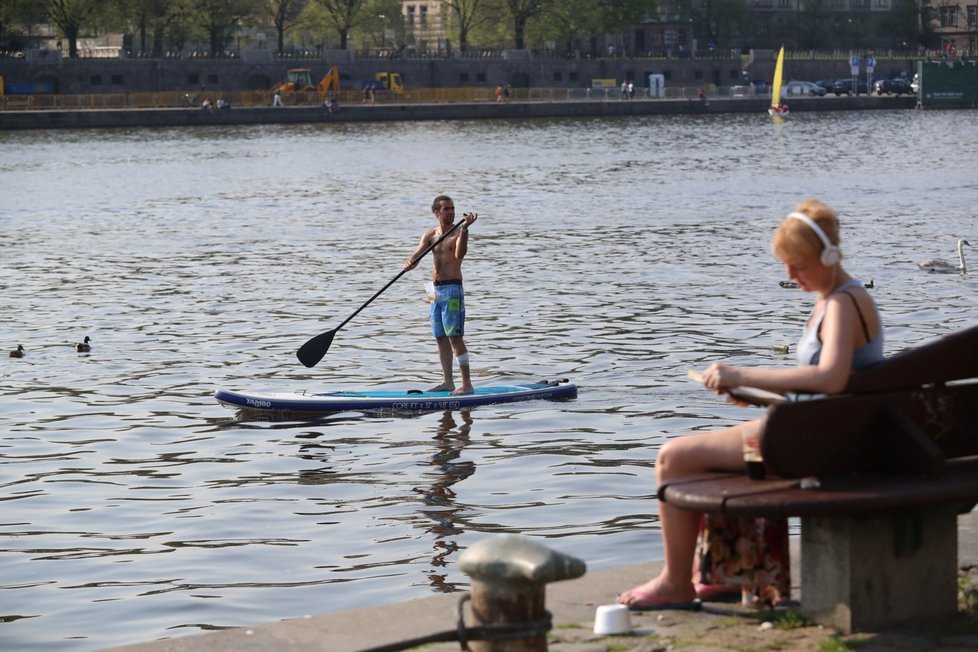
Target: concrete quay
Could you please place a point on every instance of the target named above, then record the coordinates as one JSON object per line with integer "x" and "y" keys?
{"x": 720, "y": 626}
{"x": 193, "y": 117}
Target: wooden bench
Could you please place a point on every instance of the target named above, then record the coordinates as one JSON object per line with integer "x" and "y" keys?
{"x": 893, "y": 462}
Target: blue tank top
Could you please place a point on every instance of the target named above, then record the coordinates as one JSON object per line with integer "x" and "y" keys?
{"x": 810, "y": 347}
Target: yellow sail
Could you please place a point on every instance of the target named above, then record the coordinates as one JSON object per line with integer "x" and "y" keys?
{"x": 776, "y": 84}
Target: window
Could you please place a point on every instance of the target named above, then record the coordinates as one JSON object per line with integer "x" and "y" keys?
{"x": 96, "y": 80}
{"x": 212, "y": 79}
{"x": 480, "y": 77}
{"x": 117, "y": 80}
{"x": 972, "y": 15}
{"x": 949, "y": 16}
{"x": 424, "y": 14}
{"x": 410, "y": 15}
{"x": 193, "y": 79}
{"x": 463, "y": 77}
{"x": 558, "y": 76}
{"x": 784, "y": 4}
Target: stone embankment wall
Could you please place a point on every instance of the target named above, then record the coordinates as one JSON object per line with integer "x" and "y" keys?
{"x": 255, "y": 71}
{"x": 188, "y": 117}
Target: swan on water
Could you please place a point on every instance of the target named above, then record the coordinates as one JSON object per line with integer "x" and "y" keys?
{"x": 941, "y": 266}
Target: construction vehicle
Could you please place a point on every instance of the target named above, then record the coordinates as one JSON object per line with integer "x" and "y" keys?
{"x": 391, "y": 81}
{"x": 300, "y": 80}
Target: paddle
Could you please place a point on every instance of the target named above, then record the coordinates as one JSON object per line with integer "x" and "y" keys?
{"x": 313, "y": 351}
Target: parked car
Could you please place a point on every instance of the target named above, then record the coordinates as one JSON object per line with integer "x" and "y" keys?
{"x": 850, "y": 87}
{"x": 825, "y": 83}
{"x": 896, "y": 86}
{"x": 797, "y": 88}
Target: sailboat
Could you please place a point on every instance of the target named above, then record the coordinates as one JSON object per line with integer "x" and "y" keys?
{"x": 777, "y": 108}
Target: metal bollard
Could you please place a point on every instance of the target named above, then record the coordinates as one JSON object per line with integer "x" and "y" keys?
{"x": 509, "y": 576}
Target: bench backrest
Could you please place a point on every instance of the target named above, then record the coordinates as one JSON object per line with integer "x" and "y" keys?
{"x": 899, "y": 417}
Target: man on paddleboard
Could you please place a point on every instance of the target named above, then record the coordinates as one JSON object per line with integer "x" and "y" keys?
{"x": 448, "y": 308}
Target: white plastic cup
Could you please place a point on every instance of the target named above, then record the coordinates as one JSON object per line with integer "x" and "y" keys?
{"x": 612, "y": 619}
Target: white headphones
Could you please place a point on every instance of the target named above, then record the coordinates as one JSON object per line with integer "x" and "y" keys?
{"x": 831, "y": 254}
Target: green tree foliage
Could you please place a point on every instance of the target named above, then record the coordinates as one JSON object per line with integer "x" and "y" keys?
{"x": 814, "y": 26}
{"x": 568, "y": 20}
{"x": 927, "y": 26}
{"x": 284, "y": 15}
{"x": 465, "y": 15}
{"x": 342, "y": 16}
{"x": 220, "y": 18}
{"x": 182, "y": 23}
{"x": 523, "y": 11}
{"x": 143, "y": 17}
{"x": 70, "y": 17}
{"x": 16, "y": 16}
{"x": 716, "y": 20}
{"x": 381, "y": 24}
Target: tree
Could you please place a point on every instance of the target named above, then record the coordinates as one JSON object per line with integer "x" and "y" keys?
{"x": 284, "y": 14}
{"x": 143, "y": 17}
{"x": 342, "y": 16}
{"x": 813, "y": 25}
{"x": 71, "y": 16}
{"x": 179, "y": 22}
{"x": 220, "y": 18}
{"x": 466, "y": 13}
{"x": 579, "y": 19}
{"x": 901, "y": 22}
{"x": 522, "y": 11}
{"x": 716, "y": 19}
{"x": 927, "y": 34}
{"x": 14, "y": 16}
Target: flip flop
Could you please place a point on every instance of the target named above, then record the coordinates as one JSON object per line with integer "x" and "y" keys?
{"x": 651, "y": 602}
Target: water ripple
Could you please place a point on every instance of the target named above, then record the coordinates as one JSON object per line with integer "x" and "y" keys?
{"x": 617, "y": 253}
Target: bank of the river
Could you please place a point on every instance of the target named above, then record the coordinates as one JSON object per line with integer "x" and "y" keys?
{"x": 184, "y": 117}
{"x": 721, "y": 626}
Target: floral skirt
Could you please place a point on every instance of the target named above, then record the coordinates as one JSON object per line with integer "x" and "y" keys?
{"x": 750, "y": 553}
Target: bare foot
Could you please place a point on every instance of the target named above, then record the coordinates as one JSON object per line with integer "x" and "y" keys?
{"x": 653, "y": 595}
{"x": 443, "y": 387}
{"x": 464, "y": 389}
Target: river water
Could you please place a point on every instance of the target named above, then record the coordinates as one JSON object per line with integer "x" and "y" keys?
{"x": 615, "y": 253}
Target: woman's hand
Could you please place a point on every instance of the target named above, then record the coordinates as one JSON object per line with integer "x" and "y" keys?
{"x": 720, "y": 376}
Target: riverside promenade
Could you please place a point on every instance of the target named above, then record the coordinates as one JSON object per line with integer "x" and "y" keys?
{"x": 720, "y": 626}
{"x": 516, "y": 110}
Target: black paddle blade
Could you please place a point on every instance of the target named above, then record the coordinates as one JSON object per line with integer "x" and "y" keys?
{"x": 313, "y": 351}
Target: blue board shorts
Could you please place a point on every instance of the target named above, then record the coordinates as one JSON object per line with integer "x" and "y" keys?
{"x": 448, "y": 311}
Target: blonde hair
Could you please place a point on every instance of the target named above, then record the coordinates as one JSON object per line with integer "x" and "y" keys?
{"x": 795, "y": 241}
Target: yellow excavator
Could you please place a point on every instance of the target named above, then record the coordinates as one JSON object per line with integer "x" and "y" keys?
{"x": 300, "y": 79}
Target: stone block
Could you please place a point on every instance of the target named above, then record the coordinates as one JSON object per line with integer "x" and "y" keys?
{"x": 862, "y": 573}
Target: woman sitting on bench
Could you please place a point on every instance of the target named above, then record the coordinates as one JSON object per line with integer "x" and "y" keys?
{"x": 843, "y": 333}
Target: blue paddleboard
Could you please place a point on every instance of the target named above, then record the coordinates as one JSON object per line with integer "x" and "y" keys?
{"x": 391, "y": 399}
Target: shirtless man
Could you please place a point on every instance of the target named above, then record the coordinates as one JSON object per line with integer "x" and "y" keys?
{"x": 448, "y": 308}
